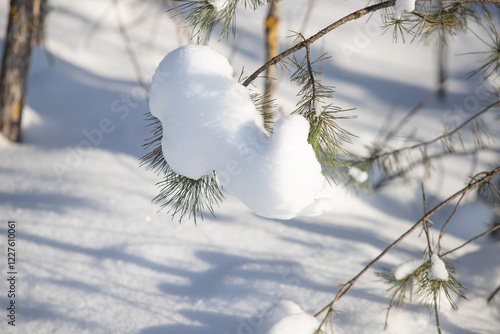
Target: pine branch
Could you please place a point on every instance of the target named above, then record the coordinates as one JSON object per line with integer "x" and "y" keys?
{"x": 325, "y": 135}
{"x": 183, "y": 196}
{"x": 345, "y": 288}
{"x": 439, "y": 155}
{"x": 128, "y": 46}
{"x": 353, "y": 16}
{"x": 202, "y": 16}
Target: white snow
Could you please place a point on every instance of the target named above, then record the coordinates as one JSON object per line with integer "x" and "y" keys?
{"x": 210, "y": 123}
{"x": 403, "y": 6}
{"x": 95, "y": 256}
{"x": 205, "y": 114}
{"x": 406, "y": 269}
{"x": 357, "y": 174}
{"x": 287, "y": 317}
{"x": 438, "y": 269}
{"x": 218, "y": 4}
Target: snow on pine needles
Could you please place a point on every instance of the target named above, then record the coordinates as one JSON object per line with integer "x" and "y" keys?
{"x": 210, "y": 123}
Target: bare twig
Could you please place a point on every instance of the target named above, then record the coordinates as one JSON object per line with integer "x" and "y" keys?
{"x": 128, "y": 46}
{"x": 441, "y": 234}
{"x": 426, "y": 222}
{"x": 414, "y": 111}
{"x": 472, "y": 240}
{"x": 439, "y": 155}
{"x": 443, "y": 136}
{"x": 490, "y": 298}
{"x": 402, "y": 286}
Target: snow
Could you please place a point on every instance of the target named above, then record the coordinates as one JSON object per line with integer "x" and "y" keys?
{"x": 403, "y": 6}
{"x": 288, "y": 317}
{"x": 210, "y": 123}
{"x": 438, "y": 269}
{"x": 218, "y": 4}
{"x": 194, "y": 96}
{"x": 357, "y": 174}
{"x": 406, "y": 269}
{"x": 95, "y": 256}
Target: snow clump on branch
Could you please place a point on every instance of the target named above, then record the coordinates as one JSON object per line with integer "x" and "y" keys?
{"x": 218, "y": 5}
{"x": 438, "y": 269}
{"x": 210, "y": 123}
{"x": 402, "y": 6}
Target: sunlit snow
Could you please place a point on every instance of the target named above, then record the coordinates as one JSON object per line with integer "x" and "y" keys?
{"x": 438, "y": 269}
{"x": 210, "y": 123}
{"x": 403, "y": 6}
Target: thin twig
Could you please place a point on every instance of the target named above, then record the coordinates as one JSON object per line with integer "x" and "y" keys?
{"x": 414, "y": 111}
{"x": 353, "y": 16}
{"x": 490, "y": 298}
{"x": 426, "y": 223}
{"x": 472, "y": 240}
{"x": 307, "y": 16}
{"x": 441, "y": 234}
{"x": 128, "y": 46}
{"x": 345, "y": 288}
{"x": 443, "y": 136}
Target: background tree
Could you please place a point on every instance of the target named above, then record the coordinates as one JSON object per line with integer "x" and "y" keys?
{"x": 22, "y": 32}
{"x": 272, "y": 50}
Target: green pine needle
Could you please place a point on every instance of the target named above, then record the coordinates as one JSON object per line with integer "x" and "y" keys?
{"x": 201, "y": 17}
{"x": 183, "y": 196}
{"x": 326, "y": 136}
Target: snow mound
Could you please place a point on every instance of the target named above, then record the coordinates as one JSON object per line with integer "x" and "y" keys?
{"x": 210, "y": 123}
{"x": 287, "y": 317}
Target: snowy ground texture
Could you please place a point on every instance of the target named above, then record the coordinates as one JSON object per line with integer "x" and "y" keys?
{"x": 94, "y": 256}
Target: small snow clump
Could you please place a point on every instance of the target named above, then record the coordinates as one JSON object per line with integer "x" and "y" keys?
{"x": 438, "y": 269}
{"x": 218, "y": 5}
{"x": 287, "y": 317}
{"x": 358, "y": 174}
{"x": 402, "y": 6}
{"x": 210, "y": 123}
{"x": 406, "y": 269}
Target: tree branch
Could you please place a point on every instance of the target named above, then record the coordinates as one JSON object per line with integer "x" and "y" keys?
{"x": 344, "y": 289}
{"x": 353, "y": 16}
{"x": 443, "y": 136}
{"x": 472, "y": 240}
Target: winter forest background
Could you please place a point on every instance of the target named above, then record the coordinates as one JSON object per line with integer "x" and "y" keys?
{"x": 418, "y": 92}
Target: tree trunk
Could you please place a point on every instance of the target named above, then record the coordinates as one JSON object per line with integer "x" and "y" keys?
{"x": 272, "y": 50}
{"x": 19, "y": 41}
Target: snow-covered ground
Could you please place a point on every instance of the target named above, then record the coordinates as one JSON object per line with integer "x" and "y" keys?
{"x": 93, "y": 255}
